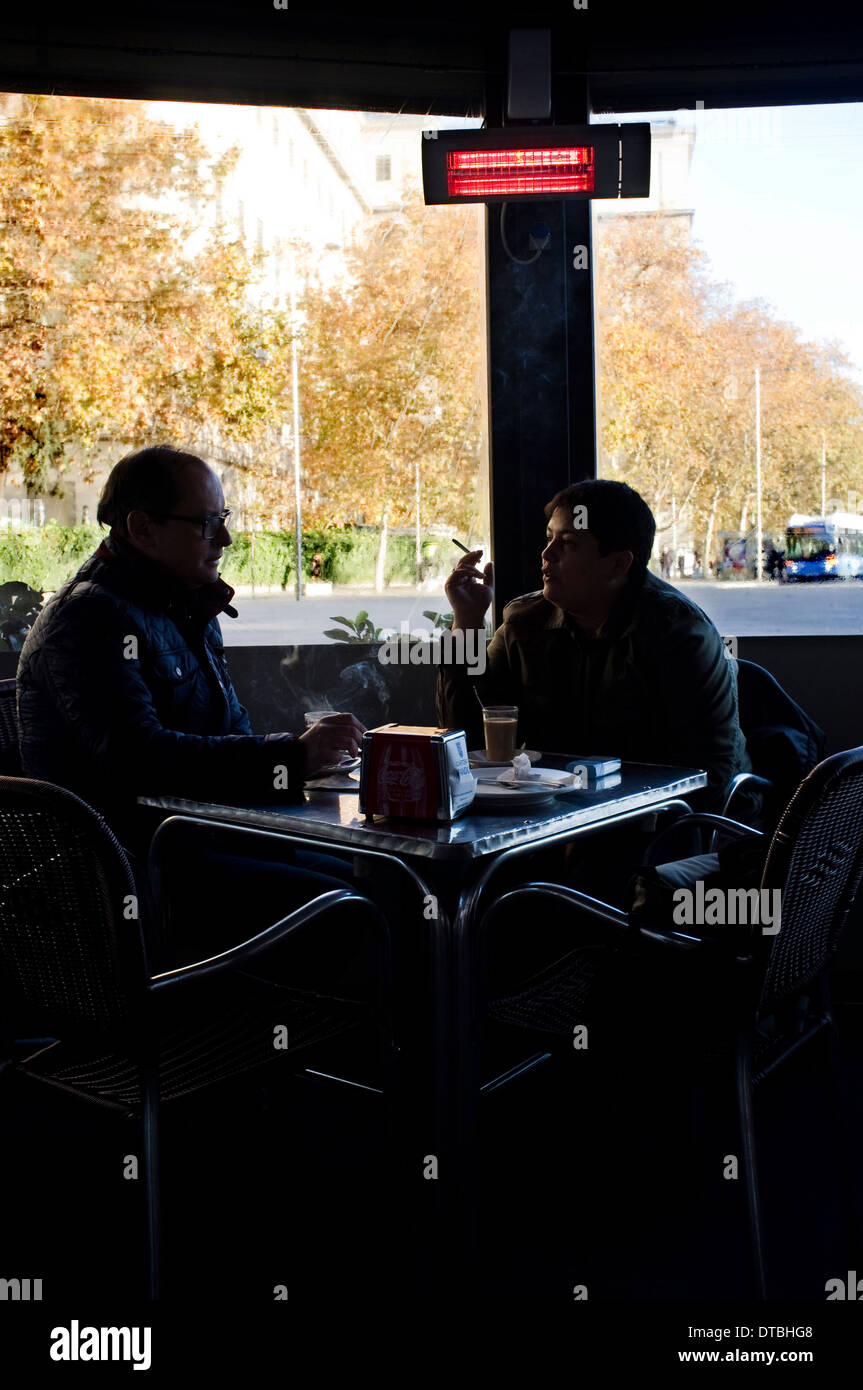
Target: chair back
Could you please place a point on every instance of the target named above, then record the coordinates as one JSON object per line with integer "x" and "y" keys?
{"x": 784, "y": 744}
{"x": 815, "y": 860}
{"x": 10, "y": 757}
{"x": 71, "y": 950}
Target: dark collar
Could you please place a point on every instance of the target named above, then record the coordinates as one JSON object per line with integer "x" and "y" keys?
{"x": 621, "y": 618}
{"x": 147, "y": 580}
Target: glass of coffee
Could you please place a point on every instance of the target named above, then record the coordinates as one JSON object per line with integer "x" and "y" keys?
{"x": 343, "y": 756}
{"x": 500, "y": 723}
{"x": 312, "y": 716}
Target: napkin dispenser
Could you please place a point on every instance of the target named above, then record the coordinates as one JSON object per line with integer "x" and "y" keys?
{"x": 415, "y": 771}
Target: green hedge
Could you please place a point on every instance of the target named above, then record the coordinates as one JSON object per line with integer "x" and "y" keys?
{"x": 347, "y": 557}
{"x": 46, "y": 557}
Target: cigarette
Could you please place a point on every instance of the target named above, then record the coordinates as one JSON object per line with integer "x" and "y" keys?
{"x": 460, "y": 546}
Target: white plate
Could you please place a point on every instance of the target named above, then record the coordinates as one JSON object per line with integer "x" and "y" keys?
{"x": 489, "y": 791}
{"x": 479, "y": 758}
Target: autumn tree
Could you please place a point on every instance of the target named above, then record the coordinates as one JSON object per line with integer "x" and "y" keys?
{"x": 113, "y": 323}
{"x": 677, "y": 372}
{"x": 392, "y": 393}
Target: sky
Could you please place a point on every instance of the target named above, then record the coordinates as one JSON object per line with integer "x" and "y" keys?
{"x": 778, "y": 200}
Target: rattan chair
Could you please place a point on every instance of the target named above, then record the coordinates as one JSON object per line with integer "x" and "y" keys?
{"x": 74, "y": 969}
{"x": 10, "y": 757}
{"x": 780, "y": 985}
{"x": 757, "y": 998}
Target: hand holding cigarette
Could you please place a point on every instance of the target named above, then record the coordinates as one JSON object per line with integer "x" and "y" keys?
{"x": 469, "y": 589}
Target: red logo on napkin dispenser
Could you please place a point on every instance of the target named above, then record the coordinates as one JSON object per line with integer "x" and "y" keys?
{"x": 404, "y": 776}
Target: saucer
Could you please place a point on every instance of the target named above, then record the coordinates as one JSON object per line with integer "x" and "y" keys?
{"x": 346, "y": 764}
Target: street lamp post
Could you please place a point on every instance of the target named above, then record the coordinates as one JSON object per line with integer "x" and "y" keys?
{"x": 419, "y": 556}
{"x": 295, "y": 381}
{"x": 760, "y": 540}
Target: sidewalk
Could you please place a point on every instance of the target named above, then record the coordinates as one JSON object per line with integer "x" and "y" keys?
{"x": 431, "y": 587}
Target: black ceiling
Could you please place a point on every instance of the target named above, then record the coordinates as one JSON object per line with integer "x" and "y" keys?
{"x": 443, "y": 59}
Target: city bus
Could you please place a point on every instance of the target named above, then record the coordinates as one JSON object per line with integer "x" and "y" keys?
{"x": 824, "y": 547}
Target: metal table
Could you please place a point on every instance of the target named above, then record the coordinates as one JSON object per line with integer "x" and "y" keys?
{"x": 332, "y": 816}
{"x": 454, "y": 865}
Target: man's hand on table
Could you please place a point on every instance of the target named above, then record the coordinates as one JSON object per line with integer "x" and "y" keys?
{"x": 330, "y": 739}
{"x": 470, "y": 591}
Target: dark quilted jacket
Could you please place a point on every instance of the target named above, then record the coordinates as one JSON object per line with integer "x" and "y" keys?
{"x": 123, "y": 691}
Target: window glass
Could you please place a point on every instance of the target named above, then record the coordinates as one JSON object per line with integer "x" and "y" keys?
{"x": 729, "y": 316}
{"x": 287, "y": 308}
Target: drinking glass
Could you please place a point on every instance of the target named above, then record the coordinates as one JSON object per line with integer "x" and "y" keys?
{"x": 312, "y": 716}
{"x": 500, "y": 723}
{"x": 344, "y": 755}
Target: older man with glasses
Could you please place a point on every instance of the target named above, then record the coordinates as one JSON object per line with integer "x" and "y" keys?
{"x": 123, "y": 686}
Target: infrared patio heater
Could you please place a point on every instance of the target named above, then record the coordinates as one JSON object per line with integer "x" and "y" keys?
{"x": 530, "y": 164}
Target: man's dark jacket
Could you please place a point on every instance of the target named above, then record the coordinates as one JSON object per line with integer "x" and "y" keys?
{"x": 123, "y": 691}
{"x": 654, "y": 686}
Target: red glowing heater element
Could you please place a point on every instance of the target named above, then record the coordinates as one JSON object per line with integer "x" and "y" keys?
{"x": 492, "y": 173}
{"x": 550, "y": 162}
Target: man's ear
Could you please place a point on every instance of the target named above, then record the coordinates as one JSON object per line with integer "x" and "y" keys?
{"x": 622, "y": 562}
{"x": 139, "y": 526}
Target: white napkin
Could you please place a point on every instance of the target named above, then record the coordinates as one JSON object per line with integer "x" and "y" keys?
{"x": 521, "y": 774}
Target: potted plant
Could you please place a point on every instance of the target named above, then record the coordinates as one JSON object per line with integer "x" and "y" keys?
{"x": 19, "y": 608}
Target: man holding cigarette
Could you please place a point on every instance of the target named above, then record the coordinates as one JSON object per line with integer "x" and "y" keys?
{"x": 606, "y": 658}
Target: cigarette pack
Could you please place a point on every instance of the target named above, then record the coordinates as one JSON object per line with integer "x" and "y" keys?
{"x": 594, "y": 765}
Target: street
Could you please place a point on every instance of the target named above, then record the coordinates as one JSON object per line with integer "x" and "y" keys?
{"x": 738, "y": 608}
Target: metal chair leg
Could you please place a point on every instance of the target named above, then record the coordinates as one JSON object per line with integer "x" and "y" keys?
{"x": 150, "y": 1125}
{"x": 750, "y": 1162}
{"x": 846, "y": 1156}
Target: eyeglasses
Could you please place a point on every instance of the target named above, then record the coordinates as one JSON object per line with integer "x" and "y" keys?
{"x": 210, "y": 525}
